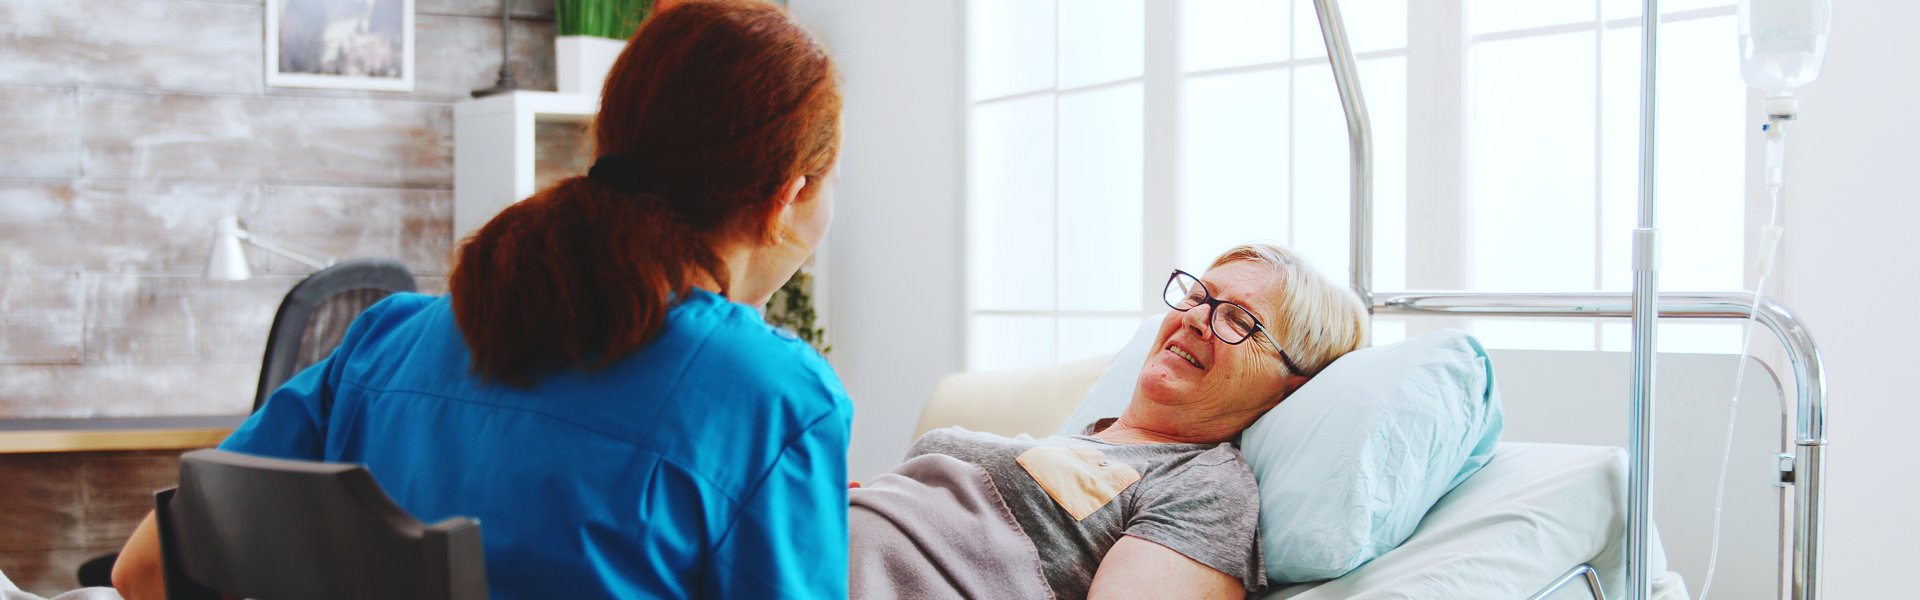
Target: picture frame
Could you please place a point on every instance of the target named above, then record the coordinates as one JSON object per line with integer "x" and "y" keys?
{"x": 340, "y": 44}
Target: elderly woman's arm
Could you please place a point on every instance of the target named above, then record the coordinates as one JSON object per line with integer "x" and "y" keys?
{"x": 1136, "y": 568}
{"x": 137, "y": 574}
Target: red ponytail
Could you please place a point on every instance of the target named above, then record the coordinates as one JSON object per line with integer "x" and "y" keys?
{"x": 717, "y": 103}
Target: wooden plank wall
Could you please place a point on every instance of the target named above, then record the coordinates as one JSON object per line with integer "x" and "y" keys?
{"x": 129, "y": 127}
{"x": 133, "y": 124}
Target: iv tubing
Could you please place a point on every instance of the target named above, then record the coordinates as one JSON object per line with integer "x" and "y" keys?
{"x": 1769, "y": 246}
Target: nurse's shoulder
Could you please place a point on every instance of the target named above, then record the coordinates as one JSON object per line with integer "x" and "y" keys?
{"x": 757, "y": 354}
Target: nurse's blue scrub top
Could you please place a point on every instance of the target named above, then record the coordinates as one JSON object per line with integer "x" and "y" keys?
{"x": 709, "y": 464}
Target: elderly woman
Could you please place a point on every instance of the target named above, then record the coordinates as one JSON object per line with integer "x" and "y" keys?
{"x": 1155, "y": 504}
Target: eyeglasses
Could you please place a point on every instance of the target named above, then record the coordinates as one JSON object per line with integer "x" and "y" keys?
{"x": 1231, "y": 323}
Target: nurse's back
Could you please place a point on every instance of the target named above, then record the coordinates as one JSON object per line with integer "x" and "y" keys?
{"x": 679, "y": 471}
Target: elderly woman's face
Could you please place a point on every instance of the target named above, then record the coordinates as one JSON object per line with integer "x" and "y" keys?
{"x": 1208, "y": 379}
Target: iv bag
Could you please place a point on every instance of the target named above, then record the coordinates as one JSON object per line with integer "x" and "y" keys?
{"x": 1782, "y": 44}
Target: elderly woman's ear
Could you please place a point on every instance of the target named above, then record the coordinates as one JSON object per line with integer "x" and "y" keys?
{"x": 1290, "y": 385}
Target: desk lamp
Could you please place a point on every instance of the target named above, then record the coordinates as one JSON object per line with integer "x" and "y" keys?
{"x": 228, "y": 262}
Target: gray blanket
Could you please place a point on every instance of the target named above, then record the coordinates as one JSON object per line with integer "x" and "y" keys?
{"x": 936, "y": 527}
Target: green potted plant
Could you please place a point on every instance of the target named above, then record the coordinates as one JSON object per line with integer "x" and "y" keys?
{"x": 591, "y": 35}
{"x": 791, "y": 307}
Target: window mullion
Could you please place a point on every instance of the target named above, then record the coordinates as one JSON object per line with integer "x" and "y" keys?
{"x": 1057, "y": 226}
{"x": 1437, "y": 228}
{"x": 1160, "y": 156}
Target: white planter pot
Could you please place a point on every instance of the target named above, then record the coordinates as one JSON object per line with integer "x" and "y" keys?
{"x": 581, "y": 62}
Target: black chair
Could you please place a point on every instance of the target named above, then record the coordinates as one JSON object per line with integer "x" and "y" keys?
{"x": 276, "y": 529}
{"x": 316, "y": 313}
{"x": 312, "y": 318}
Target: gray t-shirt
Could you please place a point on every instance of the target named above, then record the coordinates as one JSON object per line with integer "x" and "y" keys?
{"x": 1196, "y": 499}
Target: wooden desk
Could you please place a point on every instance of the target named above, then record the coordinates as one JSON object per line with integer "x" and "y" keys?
{"x": 75, "y": 488}
{"x": 92, "y": 435}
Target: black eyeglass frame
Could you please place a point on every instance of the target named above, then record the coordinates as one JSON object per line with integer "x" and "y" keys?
{"x": 1213, "y": 312}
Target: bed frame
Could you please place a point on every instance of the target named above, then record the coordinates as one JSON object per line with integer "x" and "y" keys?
{"x": 1803, "y": 470}
{"x": 1573, "y": 397}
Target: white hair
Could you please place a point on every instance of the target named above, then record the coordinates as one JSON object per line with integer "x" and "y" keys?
{"x": 1319, "y": 320}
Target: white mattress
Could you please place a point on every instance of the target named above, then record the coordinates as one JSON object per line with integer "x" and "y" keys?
{"x": 1531, "y": 514}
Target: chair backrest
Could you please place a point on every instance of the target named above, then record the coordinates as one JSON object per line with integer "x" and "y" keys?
{"x": 276, "y": 529}
{"x": 317, "y": 312}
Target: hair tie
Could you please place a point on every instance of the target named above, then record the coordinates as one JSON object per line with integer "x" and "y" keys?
{"x": 619, "y": 171}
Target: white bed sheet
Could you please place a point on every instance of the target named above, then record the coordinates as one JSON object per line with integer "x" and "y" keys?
{"x": 1535, "y": 511}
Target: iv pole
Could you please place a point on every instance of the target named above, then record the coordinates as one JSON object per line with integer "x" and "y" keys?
{"x": 1646, "y": 282}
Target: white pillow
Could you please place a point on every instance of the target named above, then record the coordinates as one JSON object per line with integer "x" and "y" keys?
{"x": 1351, "y": 461}
{"x": 1535, "y": 511}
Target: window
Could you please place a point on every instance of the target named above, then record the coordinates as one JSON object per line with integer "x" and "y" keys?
{"x": 1056, "y": 155}
{"x": 1552, "y": 141}
{"x": 1111, "y": 141}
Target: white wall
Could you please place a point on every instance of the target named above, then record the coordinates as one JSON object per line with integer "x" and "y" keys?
{"x": 1850, "y": 264}
{"x": 895, "y": 311}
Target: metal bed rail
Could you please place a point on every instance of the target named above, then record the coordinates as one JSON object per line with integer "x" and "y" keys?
{"x": 1808, "y": 370}
{"x": 1584, "y": 572}
{"x": 1803, "y": 355}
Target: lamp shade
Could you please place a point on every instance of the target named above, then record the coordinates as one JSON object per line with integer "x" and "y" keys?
{"x": 226, "y": 261}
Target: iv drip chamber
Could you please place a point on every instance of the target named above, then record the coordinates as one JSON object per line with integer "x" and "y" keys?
{"x": 1782, "y": 46}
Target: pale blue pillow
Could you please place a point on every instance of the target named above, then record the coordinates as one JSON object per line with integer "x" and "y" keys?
{"x": 1350, "y": 463}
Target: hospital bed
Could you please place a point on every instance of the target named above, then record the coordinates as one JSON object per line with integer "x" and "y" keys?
{"x": 1551, "y": 516}
{"x": 1551, "y": 500}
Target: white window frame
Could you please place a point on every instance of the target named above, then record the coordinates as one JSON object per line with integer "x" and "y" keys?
{"x": 1437, "y": 206}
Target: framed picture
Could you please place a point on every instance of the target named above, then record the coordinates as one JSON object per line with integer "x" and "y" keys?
{"x": 351, "y": 44}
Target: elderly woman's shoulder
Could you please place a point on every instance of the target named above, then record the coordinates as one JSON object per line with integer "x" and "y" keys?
{"x": 1224, "y": 458}
{"x": 1225, "y": 452}
{"x": 1219, "y": 473}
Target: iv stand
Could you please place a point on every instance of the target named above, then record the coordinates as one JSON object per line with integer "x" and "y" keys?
{"x": 1646, "y": 283}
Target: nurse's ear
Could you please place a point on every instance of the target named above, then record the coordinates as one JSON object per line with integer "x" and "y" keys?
{"x": 791, "y": 191}
{"x": 780, "y": 215}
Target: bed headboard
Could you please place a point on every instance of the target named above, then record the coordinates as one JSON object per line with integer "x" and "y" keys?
{"x": 1033, "y": 401}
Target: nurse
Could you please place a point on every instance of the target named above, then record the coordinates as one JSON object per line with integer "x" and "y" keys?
{"x": 599, "y": 388}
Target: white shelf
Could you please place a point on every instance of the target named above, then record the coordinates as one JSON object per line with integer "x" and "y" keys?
{"x": 493, "y": 149}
